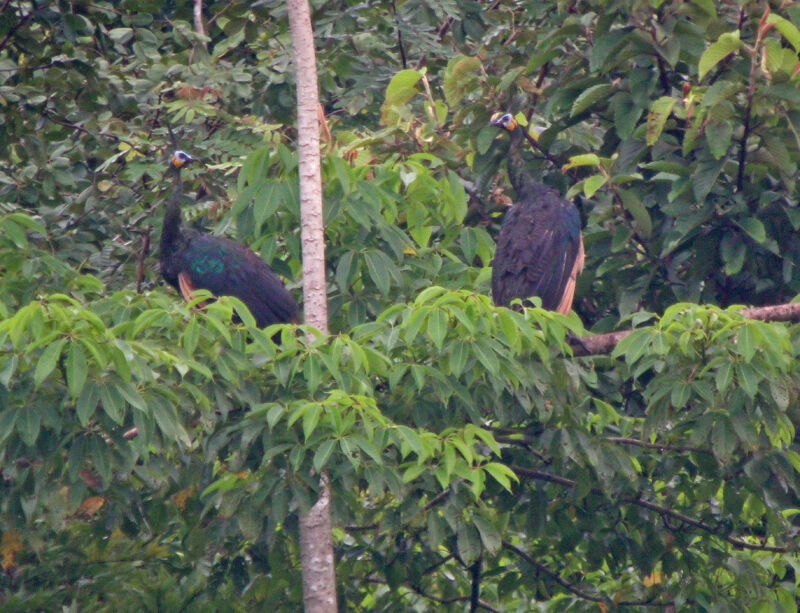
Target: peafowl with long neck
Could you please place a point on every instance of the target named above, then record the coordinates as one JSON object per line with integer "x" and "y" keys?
{"x": 540, "y": 248}
{"x": 191, "y": 260}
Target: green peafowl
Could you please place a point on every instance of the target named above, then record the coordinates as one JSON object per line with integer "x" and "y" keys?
{"x": 192, "y": 260}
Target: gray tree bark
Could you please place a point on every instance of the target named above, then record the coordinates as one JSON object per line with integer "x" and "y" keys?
{"x": 316, "y": 541}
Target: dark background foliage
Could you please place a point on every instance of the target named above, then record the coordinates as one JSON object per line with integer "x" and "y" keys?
{"x": 155, "y": 458}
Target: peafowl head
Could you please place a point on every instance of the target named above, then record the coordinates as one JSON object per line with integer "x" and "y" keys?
{"x": 505, "y": 122}
{"x": 180, "y": 159}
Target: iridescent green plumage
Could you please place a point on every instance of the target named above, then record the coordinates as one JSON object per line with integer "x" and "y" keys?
{"x": 193, "y": 260}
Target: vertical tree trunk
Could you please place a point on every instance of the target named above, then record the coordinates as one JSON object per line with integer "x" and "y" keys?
{"x": 316, "y": 542}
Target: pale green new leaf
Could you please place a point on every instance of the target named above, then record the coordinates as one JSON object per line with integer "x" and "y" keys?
{"x": 726, "y": 44}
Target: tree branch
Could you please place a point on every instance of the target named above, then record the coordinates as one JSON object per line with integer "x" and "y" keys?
{"x": 7, "y": 38}
{"x": 749, "y": 95}
{"x": 454, "y": 600}
{"x": 221, "y": 12}
{"x": 662, "y": 510}
{"x": 605, "y": 343}
{"x": 77, "y": 128}
{"x": 399, "y": 37}
{"x": 554, "y": 576}
{"x": 622, "y": 440}
{"x": 142, "y": 255}
{"x": 577, "y": 591}
{"x": 475, "y": 594}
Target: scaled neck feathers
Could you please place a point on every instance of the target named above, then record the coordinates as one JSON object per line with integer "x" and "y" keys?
{"x": 171, "y": 230}
{"x": 519, "y": 172}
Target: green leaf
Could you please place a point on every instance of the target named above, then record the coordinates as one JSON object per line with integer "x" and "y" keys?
{"x": 457, "y": 357}
{"x": 584, "y": 159}
{"x": 640, "y": 214}
{"x": 719, "y": 136}
{"x": 8, "y": 420}
{"x": 8, "y": 370}
{"x": 490, "y": 535}
{"x": 460, "y": 76}
{"x": 323, "y": 454}
{"x": 167, "y": 420}
{"x": 77, "y": 369}
{"x": 502, "y": 474}
{"x": 708, "y": 7}
{"x": 15, "y": 233}
{"x": 378, "y": 270}
{"x": 486, "y": 356}
{"x": 469, "y": 543}
{"x": 486, "y": 136}
{"x": 120, "y": 35}
{"x": 592, "y": 184}
{"x": 402, "y": 87}
{"x": 311, "y": 416}
{"x": 724, "y": 376}
{"x": 47, "y": 361}
{"x": 746, "y": 342}
{"x": 113, "y": 402}
{"x": 755, "y": 228}
{"x": 190, "y": 336}
{"x": 437, "y": 327}
{"x": 723, "y": 439}
{"x": 87, "y": 403}
{"x": 589, "y": 97}
{"x": 627, "y": 113}
{"x": 343, "y": 271}
{"x": 748, "y": 379}
{"x": 29, "y": 421}
{"x": 660, "y": 111}
{"x": 787, "y": 29}
{"x": 726, "y": 44}
{"x": 705, "y": 176}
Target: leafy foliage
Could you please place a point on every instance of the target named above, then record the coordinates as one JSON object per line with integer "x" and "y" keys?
{"x": 158, "y": 454}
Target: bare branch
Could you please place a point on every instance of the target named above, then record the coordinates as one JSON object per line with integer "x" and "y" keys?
{"x": 13, "y": 30}
{"x": 142, "y": 256}
{"x": 475, "y": 594}
{"x": 605, "y": 343}
{"x": 622, "y": 440}
{"x": 660, "y": 509}
{"x": 555, "y": 577}
{"x": 482, "y": 605}
{"x": 577, "y": 591}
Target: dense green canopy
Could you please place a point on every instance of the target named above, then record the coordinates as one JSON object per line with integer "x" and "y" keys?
{"x": 156, "y": 457}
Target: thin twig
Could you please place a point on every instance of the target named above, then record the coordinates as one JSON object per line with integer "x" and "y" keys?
{"x": 539, "y": 148}
{"x": 751, "y": 90}
{"x": 142, "y": 255}
{"x": 77, "y": 128}
{"x": 574, "y": 590}
{"x": 399, "y": 36}
{"x": 483, "y": 605}
{"x": 662, "y": 510}
{"x": 220, "y": 13}
{"x": 554, "y": 576}
{"x": 437, "y": 499}
{"x": 13, "y": 30}
{"x": 636, "y": 442}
